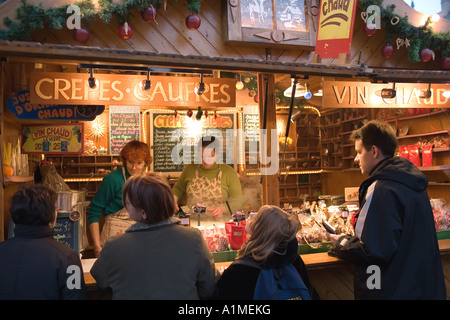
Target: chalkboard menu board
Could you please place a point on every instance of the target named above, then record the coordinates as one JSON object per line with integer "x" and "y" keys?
{"x": 66, "y": 231}
{"x": 169, "y": 131}
{"x": 125, "y": 125}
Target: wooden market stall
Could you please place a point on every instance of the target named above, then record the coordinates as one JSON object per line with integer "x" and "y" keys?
{"x": 265, "y": 59}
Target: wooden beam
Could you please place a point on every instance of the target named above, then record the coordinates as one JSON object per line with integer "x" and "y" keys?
{"x": 270, "y": 193}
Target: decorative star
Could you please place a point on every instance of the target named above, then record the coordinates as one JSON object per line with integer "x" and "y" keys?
{"x": 407, "y": 42}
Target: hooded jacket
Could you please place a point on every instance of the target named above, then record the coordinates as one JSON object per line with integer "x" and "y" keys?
{"x": 395, "y": 248}
{"x": 238, "y": 281}
{"x": 34, "y": 266}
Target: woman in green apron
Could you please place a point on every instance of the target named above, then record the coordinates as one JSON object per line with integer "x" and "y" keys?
{"x": 210, "y": 184}
{"x": 136, "y": 159}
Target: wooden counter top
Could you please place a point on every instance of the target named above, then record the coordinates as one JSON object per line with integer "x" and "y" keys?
{"x": 312, "y": 261}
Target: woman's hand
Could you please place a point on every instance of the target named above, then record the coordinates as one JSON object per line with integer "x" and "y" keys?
{"x": 218, "y": 212}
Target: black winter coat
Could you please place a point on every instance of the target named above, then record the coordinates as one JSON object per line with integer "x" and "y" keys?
{"x": 238, "y": 281}
{"x": 395, "y": 233}
{"x": 34, "y": 266}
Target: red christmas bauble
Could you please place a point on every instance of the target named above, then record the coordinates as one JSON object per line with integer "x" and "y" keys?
{"x": 426, "y": 55}
{"x": 368, "y": 31}
{"x": 125, "y": 31}
{"x": 446, "y": 63}
{"x": 149, "y": 14}
{"x": 81, "y": 35}
{"x": 193, "y": 21}
{"x": 189, "y": 113}
{"x": 387, "y": 51}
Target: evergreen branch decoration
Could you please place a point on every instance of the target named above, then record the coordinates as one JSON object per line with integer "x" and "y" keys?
{"x": 420, "y": 37}
{"x": 31, "y": 17}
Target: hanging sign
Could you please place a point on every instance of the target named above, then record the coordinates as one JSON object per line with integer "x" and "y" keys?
{"x": 124, "y": 125}
{"x": 334, "y": 35}
{"x": 348, "y": 94}
{"x": 53, "y": 138}
{"x": 128, "y": 90}
{"x": 20, "y": 105}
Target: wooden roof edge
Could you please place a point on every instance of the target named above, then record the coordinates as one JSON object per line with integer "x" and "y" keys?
{"x": 82, "y": 54}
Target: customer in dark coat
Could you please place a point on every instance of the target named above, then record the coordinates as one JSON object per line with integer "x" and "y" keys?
{"x": 395, "y": 249}
{"x": 272, "y": 244}
{"x": 33, "y": 264}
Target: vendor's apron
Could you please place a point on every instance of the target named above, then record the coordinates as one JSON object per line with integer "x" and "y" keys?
{"x": 116, "y": 223}
{"x": 207, "y": 191}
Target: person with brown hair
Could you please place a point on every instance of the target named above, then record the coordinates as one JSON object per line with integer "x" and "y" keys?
{"x": 136, "y": 159}
{"x": 34, "y": 266}
{"x": 156, "y": 258}
{"x": 272, "y": 244}
{"x": 395, "y": 249}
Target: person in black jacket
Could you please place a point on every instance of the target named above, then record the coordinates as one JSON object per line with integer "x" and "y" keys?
{"x": 272, "y": 244}
{"x": 34, "y": 266}
{"x": 395, "y": 248}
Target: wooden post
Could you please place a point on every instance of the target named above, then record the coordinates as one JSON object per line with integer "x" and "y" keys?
{"x": 270, "y": 192}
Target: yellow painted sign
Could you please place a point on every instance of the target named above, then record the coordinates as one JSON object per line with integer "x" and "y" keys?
{"x": 334, "y": 35}
{"x": 53, "y": 138}
{"x": 113, "y": 89}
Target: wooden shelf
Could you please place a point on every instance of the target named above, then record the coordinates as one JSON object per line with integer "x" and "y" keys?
{"x": 19, "y": 179}
{"x": 423, "y": 134}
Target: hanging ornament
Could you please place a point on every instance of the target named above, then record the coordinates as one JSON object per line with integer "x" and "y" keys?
{"x": 149, "y": 14}
{"x": 176, "y": 113}
{"x": 446, "y": 63}
{"x": 189, "y": 113}
{"x": 215, "y": 115}
{"x": 193, "y": 21}
{"x": 426, "y": 55}
{"x": 81, "y": 35}
{"x": 206, "y": 114}
{"x": 125, "y": 31}
{"x": 369, "y": 30}
{"x": 387, "y": 51}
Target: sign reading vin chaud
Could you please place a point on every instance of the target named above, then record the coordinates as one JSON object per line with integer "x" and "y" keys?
{"x": 73, "y": 88}
{"x": 347, "y": 94}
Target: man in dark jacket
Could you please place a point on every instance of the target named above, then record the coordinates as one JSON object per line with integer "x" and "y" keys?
{"x": 395, "y": 248}
{"x": 33, "y": 265}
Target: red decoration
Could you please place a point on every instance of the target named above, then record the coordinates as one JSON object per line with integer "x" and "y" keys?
{"x": 149, "y": 14}
{"x": 387, "y": 51}
{"x": 193, "y": 21}
{"x": 125, "y": 31}
{"x": 369, "y": 32}
{"x": 189, "y": 113}
{"x": 426, "y": 55}
{"x": 81, "y": 35}
{"x": 446, "y": 63}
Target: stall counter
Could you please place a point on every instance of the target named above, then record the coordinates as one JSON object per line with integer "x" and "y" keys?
{"x": 330, "y": 276}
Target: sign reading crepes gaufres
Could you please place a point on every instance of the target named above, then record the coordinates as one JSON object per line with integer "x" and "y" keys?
{"x": 347, "y": 94}
{"x": 73, "y": 88}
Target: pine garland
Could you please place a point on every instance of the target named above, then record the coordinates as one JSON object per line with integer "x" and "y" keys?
{"x": 31, "y": 17}
{"x": 420, "y": 37}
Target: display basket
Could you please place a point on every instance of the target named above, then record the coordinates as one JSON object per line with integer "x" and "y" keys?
{"x": 224, "y": 256}
{"x": 443, "y": 234}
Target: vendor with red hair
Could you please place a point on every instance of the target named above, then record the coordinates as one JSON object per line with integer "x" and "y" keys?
{"x": 136, "y": 159}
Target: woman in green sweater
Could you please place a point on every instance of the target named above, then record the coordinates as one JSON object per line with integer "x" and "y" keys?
{"x": 136, "y": 159}
{"x": 212, "y": 184}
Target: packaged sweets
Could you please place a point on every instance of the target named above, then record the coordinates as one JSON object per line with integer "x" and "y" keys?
{"x": 403, "y": 152}
{"x": 427, "y": 155}
{"x": 414, "y": 157}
